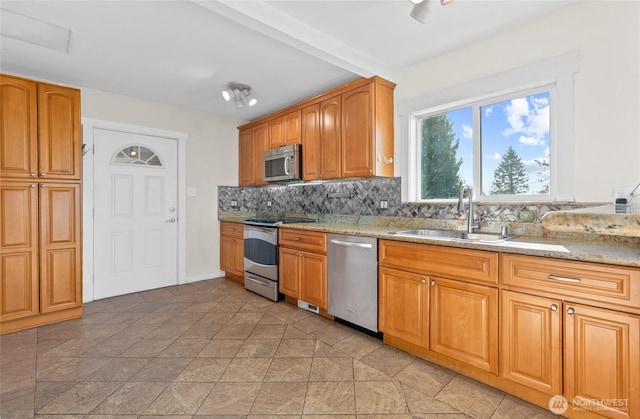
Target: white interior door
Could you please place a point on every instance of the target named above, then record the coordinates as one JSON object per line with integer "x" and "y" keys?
{"x": 135, "y": 220}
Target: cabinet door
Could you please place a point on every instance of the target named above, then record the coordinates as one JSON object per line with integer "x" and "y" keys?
{"x": 404, "y": 306}
{"x": 313, "y": 281}
{"x": 60, "y": 247}
{"x": 330, "y": 137}
{"x": 358, "y": 143}
{"x": 532, "y": 341}
{"x": 227, "y": 253}
{"x": 311, "y": 147}
{"x": 59, "y": 136}
{"x": 289, "y": 272}
{"x": 276, "y": 132}
{"x": 245, "y": 154}
{"x": 260, "y": 145}
{"x": 602, "y": 359}
{"x": 18, "y": 127}
{"x": 464, "y": 322}
{"x": 292, "y": 128}
{"x": 19, "y": 251}
{"x": 238, "y": 257}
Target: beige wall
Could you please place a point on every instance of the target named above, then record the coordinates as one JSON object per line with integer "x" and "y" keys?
{"x": 211, "y": 160}
{"x": 607, "y": 87}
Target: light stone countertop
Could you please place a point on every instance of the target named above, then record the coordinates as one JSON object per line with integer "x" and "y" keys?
{"x": 625, "y": 253}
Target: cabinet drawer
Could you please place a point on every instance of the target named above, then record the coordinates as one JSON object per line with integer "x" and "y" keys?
{"x": 440, "y": 260}
{"x": 232, "y": 230}
{"x": 307, "y": 240}
{"x": 592, "y": 281}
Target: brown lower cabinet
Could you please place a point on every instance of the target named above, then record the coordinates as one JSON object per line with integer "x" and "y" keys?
{"x": 303, "y": 266}
{"x": 463, "y": 319}
{"x": 547, "y": 328}
{"x": 40, "y": 259}
{"x": 232, "y": 250}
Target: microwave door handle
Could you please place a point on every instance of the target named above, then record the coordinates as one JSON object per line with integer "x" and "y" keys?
{"x": 287, "y": 166}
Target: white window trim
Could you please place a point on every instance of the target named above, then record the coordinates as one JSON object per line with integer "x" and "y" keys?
{"x": 558, "y": 70}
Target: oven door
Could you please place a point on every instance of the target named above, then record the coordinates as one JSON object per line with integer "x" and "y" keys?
{"x": 261, "y": 251}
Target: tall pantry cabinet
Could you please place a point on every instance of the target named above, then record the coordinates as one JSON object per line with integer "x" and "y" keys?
{"x": 40, "y": 204}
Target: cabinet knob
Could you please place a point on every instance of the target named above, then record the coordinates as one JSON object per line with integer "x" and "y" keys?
{"x": 33, "y": 185}
{"x": 553, "y": 307}
{"x": 44, "y": 185}
{"x": 423, "y": 281}
{"x": 33, "y": 174}
{"x": 433, "y": 283}
{"x": 298, "y": 254}
{"x": 43, "y": 174}
{"x": 570, "y": 311}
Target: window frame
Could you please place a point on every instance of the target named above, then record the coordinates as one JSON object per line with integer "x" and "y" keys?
{"x": 555, "y": 75}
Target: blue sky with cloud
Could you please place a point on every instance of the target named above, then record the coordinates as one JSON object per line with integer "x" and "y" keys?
{"x": 522, "y": 123}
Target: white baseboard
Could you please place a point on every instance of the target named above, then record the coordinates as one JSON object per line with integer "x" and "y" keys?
{"x": 202, "y": 277}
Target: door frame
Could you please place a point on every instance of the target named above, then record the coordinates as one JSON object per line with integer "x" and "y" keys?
{"x": 89, "y": 126}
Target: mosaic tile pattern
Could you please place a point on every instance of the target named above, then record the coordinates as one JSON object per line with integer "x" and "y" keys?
{"x": 362, "y": 198}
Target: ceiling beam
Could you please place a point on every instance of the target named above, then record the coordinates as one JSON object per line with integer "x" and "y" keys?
{"x": 259, "y": 16}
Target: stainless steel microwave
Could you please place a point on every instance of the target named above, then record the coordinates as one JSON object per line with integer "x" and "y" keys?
{"x": 283, "y": 164}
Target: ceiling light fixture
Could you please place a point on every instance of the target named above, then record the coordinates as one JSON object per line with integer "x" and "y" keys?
{"x": 241, "y": 94}
{"x": 421, "y": 9}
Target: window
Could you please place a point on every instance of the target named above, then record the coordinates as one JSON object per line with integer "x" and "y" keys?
{"x": 513, "y": 140}
{"x": 509, "y": 136}
{"x": 136, "y": 155}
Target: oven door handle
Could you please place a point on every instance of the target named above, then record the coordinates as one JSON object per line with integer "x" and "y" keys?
{"x": 266, "y": 230}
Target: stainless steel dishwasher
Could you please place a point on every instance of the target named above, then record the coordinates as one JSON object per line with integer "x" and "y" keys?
{"x": 353, "y": 280}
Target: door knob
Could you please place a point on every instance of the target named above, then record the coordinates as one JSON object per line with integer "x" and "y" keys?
{"x": 171, "y": 220}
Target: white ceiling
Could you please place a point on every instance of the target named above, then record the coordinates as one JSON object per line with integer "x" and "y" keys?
{"x": 185, "y": 52}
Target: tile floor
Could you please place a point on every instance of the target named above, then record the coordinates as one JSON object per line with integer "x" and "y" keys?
{"x": 210, "y": 350}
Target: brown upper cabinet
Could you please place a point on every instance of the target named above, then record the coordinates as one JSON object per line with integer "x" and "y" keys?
{"x": 321, "y": 140}
{"x": 367, "y": 130}
{"x": 345, "y": 132}
{"x": 285, "y": 130}
{"x": 254, "y": 141}
{"x": 40, "y": 130}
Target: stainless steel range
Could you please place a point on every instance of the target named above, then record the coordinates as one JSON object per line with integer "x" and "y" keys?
{"x": 261, "y": 254}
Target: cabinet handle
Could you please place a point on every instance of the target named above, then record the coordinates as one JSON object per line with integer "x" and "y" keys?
{"x": 423, "y": 281}
{"x": 33, "y": 174}
{"x": 433, "y": 283}
{"x": 388, "y": 160}
{"x": 553, "y": 307}
{"x": 43, "y": 174}
{"x": 564, "y": 279}
{"x": 570, "y": 311}
{"x": 298, "y": 254}
{"x": 297, "y": 239}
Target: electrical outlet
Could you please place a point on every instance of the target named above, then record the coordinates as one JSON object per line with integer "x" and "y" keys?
{"x": 234, "y": 203}
{"x": 621, "y": 200}
{"x": 384, "y": 204}
{"x": 527, "y": 216}
{"x": 269, "y": 204}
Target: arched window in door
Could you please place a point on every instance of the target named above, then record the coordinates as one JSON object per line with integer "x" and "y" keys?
{"x": 138, "y": 155}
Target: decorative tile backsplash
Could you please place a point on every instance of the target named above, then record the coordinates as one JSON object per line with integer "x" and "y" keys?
{"x": 363, "y": 197}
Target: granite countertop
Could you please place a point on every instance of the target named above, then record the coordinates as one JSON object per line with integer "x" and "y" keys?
{"x": 605, "y": 250}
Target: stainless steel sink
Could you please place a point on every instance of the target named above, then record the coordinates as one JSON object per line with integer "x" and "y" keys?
{"x": 453, "y": 235}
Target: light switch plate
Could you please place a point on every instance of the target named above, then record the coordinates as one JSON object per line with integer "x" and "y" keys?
{"x": 192, "y": 191}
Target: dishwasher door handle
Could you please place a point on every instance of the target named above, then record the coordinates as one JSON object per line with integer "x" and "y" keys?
{"x": 351, "y": 244}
